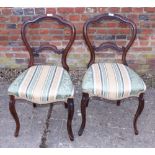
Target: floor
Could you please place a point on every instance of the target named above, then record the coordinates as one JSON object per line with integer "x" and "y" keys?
{"x": 107, "y": 125}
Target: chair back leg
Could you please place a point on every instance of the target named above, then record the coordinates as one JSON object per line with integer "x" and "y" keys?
{"x": 34, "y": 105}
{"x": 118, "y": 102}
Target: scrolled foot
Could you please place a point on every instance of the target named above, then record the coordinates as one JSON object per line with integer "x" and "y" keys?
{"x": 87, "y": 102}
{"x": 81, "y": 131}
{"x": 136, "y": 132}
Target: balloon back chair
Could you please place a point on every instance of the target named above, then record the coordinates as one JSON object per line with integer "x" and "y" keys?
{"x": 111, "y": 81}
{"x": 44, "y": 84}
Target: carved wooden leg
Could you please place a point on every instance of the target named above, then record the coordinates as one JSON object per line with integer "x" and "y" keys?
{"x": 34, "y": 105}
{"x": 14, "y": 114}
{"x": 84, "y": 102}
{"x": 118, "y": 102}
{"x": 66, "y": 105}
{"x": 138, "y": 112}
{"x": 70, "y": 117}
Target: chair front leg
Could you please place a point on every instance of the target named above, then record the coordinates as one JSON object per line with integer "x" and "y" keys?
{"x": 14, "y": 114}
{"x": 138, "y": 112}
{"x": 70, "y": 103}
{"x": 84, "y": 104}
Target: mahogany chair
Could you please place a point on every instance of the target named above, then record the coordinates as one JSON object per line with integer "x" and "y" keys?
{"x": 44, "y": 84}
{"x": 111, "y": 81}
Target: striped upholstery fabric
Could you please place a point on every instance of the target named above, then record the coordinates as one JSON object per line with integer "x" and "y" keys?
{"x": 112, "y": 81}
{"x": 43, "y": 84}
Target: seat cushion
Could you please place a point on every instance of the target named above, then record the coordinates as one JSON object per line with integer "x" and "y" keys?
{"x": 43, "y": 84}
{"x": 112, "y": 81}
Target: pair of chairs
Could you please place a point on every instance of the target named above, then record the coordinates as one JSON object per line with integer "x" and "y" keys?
{"x": 43, "y": 84}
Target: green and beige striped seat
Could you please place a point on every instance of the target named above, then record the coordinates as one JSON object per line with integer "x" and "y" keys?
{"x": 112, "y": 81}
{"x": 43, "y": 84}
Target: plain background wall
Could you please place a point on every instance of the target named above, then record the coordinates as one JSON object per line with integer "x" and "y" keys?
{"x": 13, "y": 53}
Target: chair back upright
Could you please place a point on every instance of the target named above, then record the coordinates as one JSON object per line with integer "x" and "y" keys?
{"x": 64, "y": 51}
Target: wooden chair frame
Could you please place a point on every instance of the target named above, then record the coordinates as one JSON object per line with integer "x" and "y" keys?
{"x": 105, "y": 45}
{"x": 33, "y": 51}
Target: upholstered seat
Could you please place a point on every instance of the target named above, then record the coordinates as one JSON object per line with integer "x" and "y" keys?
{"x": 43, "y": 84}
{"x": 112, "y": 81}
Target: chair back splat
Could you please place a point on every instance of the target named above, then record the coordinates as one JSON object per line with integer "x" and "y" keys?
{"x": 45, "y": 84}
{"x": 105, "y": 45}
{"x": 53, "y": 48}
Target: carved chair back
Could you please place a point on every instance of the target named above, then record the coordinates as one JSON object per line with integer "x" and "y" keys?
{"x": 106, "y": 45}
{"x": 64, "y": 51}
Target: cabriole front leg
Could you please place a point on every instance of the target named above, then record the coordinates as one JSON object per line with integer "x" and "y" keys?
{"x": 138, "y": 112}
{"x": 70, "y": 117}
{"x": 84, "y": 104}
{"x": 14, "y": 114}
